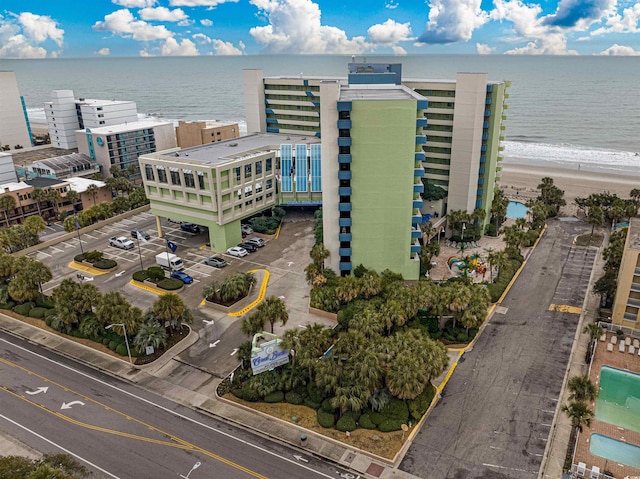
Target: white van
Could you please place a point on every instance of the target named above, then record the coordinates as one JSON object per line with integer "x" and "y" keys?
{"x": 169, "y": 261}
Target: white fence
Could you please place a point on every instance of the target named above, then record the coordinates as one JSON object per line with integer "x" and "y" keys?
{"x": 612, "y": 328}
{"x": 580, "y": 471}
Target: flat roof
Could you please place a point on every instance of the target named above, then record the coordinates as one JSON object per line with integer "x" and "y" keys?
{"x": 377, "y": 92}
{"x": 224, "y": 151}
{"x": 129, "y": 126}
{"x": 634, "y": 233}
{"x": 94, "y": 102}
{"x": 65, "y": 162}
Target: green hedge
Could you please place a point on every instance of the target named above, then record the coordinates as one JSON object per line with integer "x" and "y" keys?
{"x": 155, "y": 273}
{"x": 325, "y": 419}
{"x": 121, "y": 349}
{"x": 38, "y": 313}
{"x": 390, "y": 425}
{"x": 246, "y": 394}
{"x": 315, "y": 394}
{"x": 346, "y": 423}
{"x": 8, "y": 305}
{"x": 311, "y": 403}
{"x": 504, "y": 278}
{"x": 170, "y": 284}
{"x": 140, "y": 275}
{"x": 113, "y": 345}
{"x": 366, "y": 422}
{"x": 396, "y": 409}
{"x": 327, "y": 407}
{"x": 377, "y": 418}
{"x": 293, "y": 397}
{"x": 24, "y": 309}
{"x": 45, "y": 302}
{"x": 275, "y": 396}
{"x": 79, "y": 258}
{"x": 105, "y": 264}
{"x": 419, "y": 405}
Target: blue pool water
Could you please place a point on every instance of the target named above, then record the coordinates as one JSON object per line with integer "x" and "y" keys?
{"x": 516, "y": 210}
{"x": 618, "y": 451}
{"x": 618, "y": 400}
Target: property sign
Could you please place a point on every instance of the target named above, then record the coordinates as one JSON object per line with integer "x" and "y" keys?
{"x": 267, "y": 356}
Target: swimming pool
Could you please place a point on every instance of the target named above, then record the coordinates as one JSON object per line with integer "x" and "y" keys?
{"x": 619, "y": 398}
{"x": 618, "y": 451}
{"x": 516, "y": 210}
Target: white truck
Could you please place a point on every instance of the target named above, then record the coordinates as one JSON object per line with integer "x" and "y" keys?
{"x": 121, "y": 242}
{"x": 169, "y": 261}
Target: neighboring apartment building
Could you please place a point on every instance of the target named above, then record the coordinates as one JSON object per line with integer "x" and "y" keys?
{"x": 14, "y": 122}
{"x": 61, "y": 167}
{"x": 626, "y": 307}
{"x": 219, "y": 184}
{"x": 121, "y": 145}
{"x": 65, "y": 115}
{"x": 194, "y": 133}
{"x": 463, "y": 123}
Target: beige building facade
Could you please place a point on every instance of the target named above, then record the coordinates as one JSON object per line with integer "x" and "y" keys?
{"x": 194, "y": 133}
{"x": 626, "y": 307}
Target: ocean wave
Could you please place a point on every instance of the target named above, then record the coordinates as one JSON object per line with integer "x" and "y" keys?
{"x": 567, "y": 153}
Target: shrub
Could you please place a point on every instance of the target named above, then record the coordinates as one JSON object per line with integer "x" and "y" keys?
{"x": 24, "y": 309}
{"x": 377, "y": 418}
{"x": 140, "y": 275}
{"x": 246, "y": 393}
{"x": 79, "y": 258}
{"x": 293, "y": 397}
{"x": 532, "y": 236}
{"x": 170, "y": 284}
{"x": 490, "y": 230}
{"x": 462, "y": 337}
{"x": 106, "y": 341}
{"x": 360, "y": 270}
{"x": 38, "y": 313}
{"x": 105, "y": 264}
{"x": 325, "y": 419}
{"x": 275, "y": 396}
{"x": 390, "y": 425}
{"x": 311, "y": 403}
{"x": 354, "y": 414}
{"x": 472, "y": 333}
{"x": 49, "y": 312}
{"x": 315, "y": 394}
{"x": 504, "y": 277}
{"x": 419, "y": 405}
{"x": 436, "y": 335}
{"x": 155, "y": 273}
{"x": 113, "y": 345}
{"x": 278, "y": 212}
{"x": 8, "y": 305}
{"x": 48, "y": 320}
{"x": 93, "y": 256}
{"x": 366, "y": 422}
{"x": 396, "y": 409}
{"x": 346, "y": 423}
{"x": 45, "y": 302}
{"x": 121, "y": 349}
{"x": 327, "y": 407}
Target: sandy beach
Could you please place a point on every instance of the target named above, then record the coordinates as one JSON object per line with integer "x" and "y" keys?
{"x": 522, "y": 180}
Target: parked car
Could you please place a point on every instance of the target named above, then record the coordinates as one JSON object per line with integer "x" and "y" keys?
{"x": 140, "y": 234}
{"x": 190, "y": 228}
{"x": 246, "y": 229}
{"x": 237, "y": 251}
{"x": 250, "y": 247}
{"x": 216, "y": 262}
{"x": 121, "y": 242}
{"x": 259, "y": 242}
{"x": 184, "y": 277}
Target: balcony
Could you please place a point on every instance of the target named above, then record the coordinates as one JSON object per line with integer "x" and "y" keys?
{"x": 417, "y": 203}
{"x": 480, "y": 191}
{"x": 415, "y": 248}
{"x": 633, "y": 302}
{"x": 344, "y": 159}
{"x": 485, "y": 136}
{"x": 504, "y": 117}
{"x": 487, "y": 113}
{"x": 344, "y": 191}
{"x": 481, "y": 171}
{"x": 344, "y": 175}
{"x": 344, "y": 124}
{"x": 418, "y": 188}
{"x": 480, "y": 181}
{"x": 483, "y": 159}
{"x": 421, "y": 140}
{"x": 346, "y": 222}
{"x": 344, "y": 141}
{"x": 416, "y": 220}
{"x": 416, "y": 233}
{"x": 344, "y": 106}
{"x": 635, "y": 287}
{"x": 485, "y": 125}
{"x": 345, "y": 207}
{"x": 345, "y": 266}
{"x": 420, "y": 156}
{"x": 637, "y": 272}
{"x": 421, "y": 122}
{"x": 422, "y": 104}
{"x": 344, "y": 251}
{"x": 483, "y": 148}
{"x": 489, "y": 88}
{"x": 418, "y": 172}
{"x": 488, "y": 102}
{"x": 344, "y": 237}
{"x": 501, "y": 138}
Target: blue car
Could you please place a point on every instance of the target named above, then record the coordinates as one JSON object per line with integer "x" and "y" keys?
{"x": 184, "y": 277}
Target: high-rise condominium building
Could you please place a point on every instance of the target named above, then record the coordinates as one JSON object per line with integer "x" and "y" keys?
{"x": 14, "y": 123}
{"x": 626, "y": 308}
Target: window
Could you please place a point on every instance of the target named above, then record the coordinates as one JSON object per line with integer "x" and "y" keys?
{"x": 258, "y": 167}
{"x": 162, "y": 174}
{"x": 247, "y": 170}
{"x": 189, "y": 180}
{"x": 237, "y": 171}
{"x": 268, "y": 164}
{"x": 148, "y": 169}
{"x": 269, "y": 183}
{"x": 201, "y": 180}
{"x": 175, "y": 176}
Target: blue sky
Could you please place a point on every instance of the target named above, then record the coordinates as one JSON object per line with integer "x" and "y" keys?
{"x": 70, "y": 28}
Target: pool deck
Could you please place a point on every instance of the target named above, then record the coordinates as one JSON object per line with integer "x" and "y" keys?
{"x": 619, "y": 360}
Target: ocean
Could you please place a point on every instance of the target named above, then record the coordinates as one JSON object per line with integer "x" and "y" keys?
{"x": 563, "y": 111}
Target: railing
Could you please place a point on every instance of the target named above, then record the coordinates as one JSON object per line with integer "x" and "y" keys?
{"x": 580, "y": 471}
{"x": 612, "y": 328}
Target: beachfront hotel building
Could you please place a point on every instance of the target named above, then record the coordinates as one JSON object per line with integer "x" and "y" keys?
{"x": 65, "y": 115}
{"x": 217, "y": 185}
{"x": 14, "y": 122}
{"x": 626, "y": 306}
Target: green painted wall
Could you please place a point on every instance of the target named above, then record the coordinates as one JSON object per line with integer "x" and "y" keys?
{"x": 383, "y": 153}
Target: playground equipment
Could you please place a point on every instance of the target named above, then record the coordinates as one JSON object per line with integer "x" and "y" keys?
{"x": 468, "y": 265}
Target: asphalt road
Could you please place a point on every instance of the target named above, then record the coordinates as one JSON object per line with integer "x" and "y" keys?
{"x": 121, "y": 431}
{"x": 495, "y": 415}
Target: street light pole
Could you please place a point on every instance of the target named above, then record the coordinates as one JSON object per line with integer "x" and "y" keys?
{"x": 139, "y": 252}
{"x": 78, "y": 230}
{"x": 126, "y": 340}
{"x": 464, "y": 227}
{"x": 195, "y": 466}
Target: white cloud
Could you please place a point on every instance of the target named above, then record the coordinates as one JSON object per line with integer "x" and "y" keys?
{"x": 122, "y": 22}
{"x": 452, "y": 21}
{"x": 206, "y": 22}
{"x": 391, "y": 5}
{"x": 484, "y": 49}
{"x": 135, "y": 3}
{"x": 173, "y": 47}
{"x": 226, "y": 48}
{"x": 21, "y": 36}
{"x": 162, "y": 14}
{"x": 620, "y": 50}
{"x": 201, "y": 38}
{"x": 295, "y": 27}
{"x": 580, "y": 14}
{"x": 625, "y": 23}
{"x": 398, "y": 50}
{"x": 199, "y": 3}
{"x": 389, "y": 32}
{"x": 145, "y": 53}
{"x": 104, "y": 51}
{"x": 185, "y": 23}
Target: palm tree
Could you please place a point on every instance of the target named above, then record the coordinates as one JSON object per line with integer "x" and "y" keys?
{"x": 405, "y": 378}
{"x": 38, "y": 195}
{"x": 151, "y": 333}
{"x": 211, "y": 291}
{"x": 348, "y": 288}
{"x": 170, "y": 310}
{"x": 29, "y": 276}
{"x": 93, "y": 191}
{"x": 318, "y": 254}
{"x": 7, "y": 203}
{"x": 579, "y": 413}
{"x": 594, "y": 330}
{"x": 53, "y": 197}
{"x": 595, "y": 218}
{"x": 459, "y": 299}
{"x": 112, "y": 305}
{"x": 273, "y": 309}
{"x": 73, "y": 300}
{"x": 581, "y": 389}
{"x": 314, "y": 341}
{"x": 498, "y": 260}
{"x": 34, "y": 225}
{"x": 635, "y": 196}
{"x": 253, "y": 324}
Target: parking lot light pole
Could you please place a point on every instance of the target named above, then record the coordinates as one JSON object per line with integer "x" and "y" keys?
{"x": 126, "y": 340}
{"x": 195, "y": 466}
{"x": 139, "y": 252}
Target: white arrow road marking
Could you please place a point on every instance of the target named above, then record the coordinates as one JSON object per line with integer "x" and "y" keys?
{"x": 120, "y": 274}
{"x": 38, "y": 390}
{"x": 289, "y": 264}
{"x": 207, "y": 323}
{"x": 300, "y": 458}
{"x": 213, "y": 345}
{"x": 71, "y": 404}
{"x": 87, "y": 278}
{"x": 234, "y": 351}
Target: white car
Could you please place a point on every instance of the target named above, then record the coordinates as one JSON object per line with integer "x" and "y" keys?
{"x": 237, "y": 251}
{"x": 246, "y": 229}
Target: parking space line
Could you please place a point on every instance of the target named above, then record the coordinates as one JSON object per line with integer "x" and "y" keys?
{"x": 56, "y": 249}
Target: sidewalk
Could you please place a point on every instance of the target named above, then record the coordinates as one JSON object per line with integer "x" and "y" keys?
{"x": 145, "y": 377}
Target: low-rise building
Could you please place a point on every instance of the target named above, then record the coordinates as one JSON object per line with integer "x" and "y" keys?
{"x": 61, "y": 167}
{"x": 194, "y": 133}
